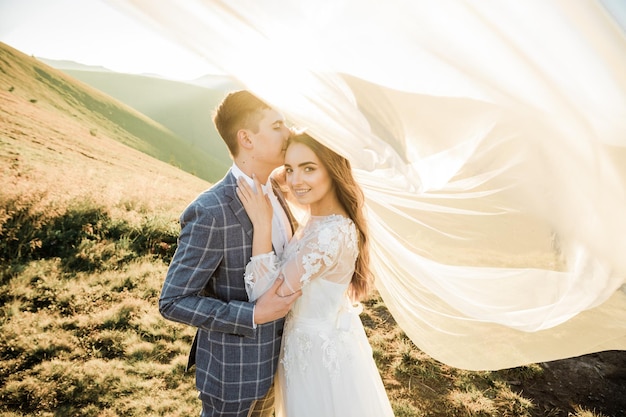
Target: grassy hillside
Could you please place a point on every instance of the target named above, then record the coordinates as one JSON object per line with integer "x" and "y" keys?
{"x": 183, "y": 108}
{"x": 47, "y": 88}
{"x": 88, "y": 225}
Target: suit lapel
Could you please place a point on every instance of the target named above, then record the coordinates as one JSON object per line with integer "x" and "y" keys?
{"x": 235, "y": 205}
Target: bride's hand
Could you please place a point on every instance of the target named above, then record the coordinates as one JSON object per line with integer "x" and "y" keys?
{"x": 256, "y": 203}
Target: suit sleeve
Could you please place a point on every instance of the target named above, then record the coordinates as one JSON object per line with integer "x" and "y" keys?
{"x": 199, "y": 253}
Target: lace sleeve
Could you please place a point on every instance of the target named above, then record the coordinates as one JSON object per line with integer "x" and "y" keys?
{"x": 261, "y": 272}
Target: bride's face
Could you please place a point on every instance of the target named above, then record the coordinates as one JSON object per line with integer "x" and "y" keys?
{"x": 309, "y": 180}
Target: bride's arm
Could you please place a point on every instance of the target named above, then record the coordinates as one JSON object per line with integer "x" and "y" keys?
{"x": 291, "y": 272}
{"x": 259, "y": 210}
{"x": 262, "y": 270}
{"x": 330, "y": 251}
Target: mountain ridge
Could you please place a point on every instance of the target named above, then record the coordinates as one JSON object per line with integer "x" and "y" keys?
{"x": 184, "y": 107}
{"x": 52, "y": 146}
{"x": 50, "y": 90}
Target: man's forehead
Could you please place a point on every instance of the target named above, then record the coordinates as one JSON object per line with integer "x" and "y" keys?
{"x": 272, "y": 116}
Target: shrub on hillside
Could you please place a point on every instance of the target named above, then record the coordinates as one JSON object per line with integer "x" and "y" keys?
{"x": 84, "y": 235}
{"x": 20, "y": 228}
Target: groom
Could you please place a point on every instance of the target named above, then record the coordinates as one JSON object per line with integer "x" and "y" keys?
{"x": 237, "y": 344}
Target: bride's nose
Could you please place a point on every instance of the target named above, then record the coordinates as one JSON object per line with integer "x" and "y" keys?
{"x": 293, "y": 178}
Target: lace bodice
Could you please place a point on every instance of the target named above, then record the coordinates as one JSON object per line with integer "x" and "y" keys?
{"x": 321, "y": 258}
{"x": 325, "y": 248}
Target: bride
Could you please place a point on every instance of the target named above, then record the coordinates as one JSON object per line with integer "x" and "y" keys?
{"x": 326, "y": 364}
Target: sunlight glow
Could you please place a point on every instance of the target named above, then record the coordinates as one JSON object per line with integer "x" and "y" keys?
{"x": 94, "y": 33}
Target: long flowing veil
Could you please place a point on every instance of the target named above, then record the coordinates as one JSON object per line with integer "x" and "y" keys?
{"x": 489, "y": 138}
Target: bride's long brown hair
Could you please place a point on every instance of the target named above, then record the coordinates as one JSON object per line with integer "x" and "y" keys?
{"x": 351, "y": 197}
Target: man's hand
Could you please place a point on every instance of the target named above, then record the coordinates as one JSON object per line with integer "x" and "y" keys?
{"x": 271, "y": 306}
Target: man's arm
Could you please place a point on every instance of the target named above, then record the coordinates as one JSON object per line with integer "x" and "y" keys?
{"x": 199, "y": 253}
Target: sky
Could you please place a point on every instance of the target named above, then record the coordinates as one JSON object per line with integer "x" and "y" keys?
{"x": 92, "y": 32}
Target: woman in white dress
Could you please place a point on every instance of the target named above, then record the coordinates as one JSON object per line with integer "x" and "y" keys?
{"x": 326, "y": 364}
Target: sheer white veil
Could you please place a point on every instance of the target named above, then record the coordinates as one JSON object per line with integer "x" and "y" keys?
{"x": 490, "y": 141}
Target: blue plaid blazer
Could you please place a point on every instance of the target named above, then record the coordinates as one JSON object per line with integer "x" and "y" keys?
{"x": 204, "y": 288}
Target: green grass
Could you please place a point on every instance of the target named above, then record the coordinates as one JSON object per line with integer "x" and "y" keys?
{"x": 81, "y": 331}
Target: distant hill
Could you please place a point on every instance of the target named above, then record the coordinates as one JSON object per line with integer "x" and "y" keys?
{"x": 62, "y": 142}
{"x": 64, "y": 64}
{"x": 63, "y": 97}
{"x": 185, "y": 108}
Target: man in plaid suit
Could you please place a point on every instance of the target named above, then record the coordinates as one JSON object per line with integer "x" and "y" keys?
{"x": 237, "y": 344}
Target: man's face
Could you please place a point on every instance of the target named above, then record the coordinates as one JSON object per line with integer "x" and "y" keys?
{"x": 270, "y": 140}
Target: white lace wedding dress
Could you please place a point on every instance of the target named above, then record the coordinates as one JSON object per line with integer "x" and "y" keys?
{"x": 326, "y": 364}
